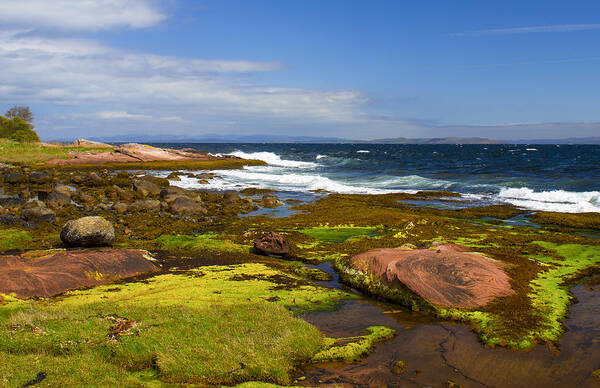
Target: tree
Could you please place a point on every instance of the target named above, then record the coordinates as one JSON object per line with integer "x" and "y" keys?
{"x": 20, "y": 111}
{"x": 17, "y": 129}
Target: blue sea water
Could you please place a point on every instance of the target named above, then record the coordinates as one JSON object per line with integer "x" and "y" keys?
{"x": 538, "y": 177}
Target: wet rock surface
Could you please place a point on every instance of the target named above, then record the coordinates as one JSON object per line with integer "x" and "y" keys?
{"x": 88, "y": 232}
{"x": 54, "y": 273}
{"x": 272, "y": 243}
{"x": 447, "y": 275}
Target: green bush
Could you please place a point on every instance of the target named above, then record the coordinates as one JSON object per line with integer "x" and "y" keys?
{"x": 17, "y": 129}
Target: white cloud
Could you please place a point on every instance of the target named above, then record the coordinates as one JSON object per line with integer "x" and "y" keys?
{"x": 90, "y": 75}
{"x": 88, "y": 15}
{"x": 528, "y": 30}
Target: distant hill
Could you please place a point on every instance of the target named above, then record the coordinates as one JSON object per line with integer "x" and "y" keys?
{"x": 262, "y": 138}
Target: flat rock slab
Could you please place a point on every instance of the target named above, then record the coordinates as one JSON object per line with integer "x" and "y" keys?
{"x": 133, "y": 152}
{"x": 30, "y": 276}
{"x": 447, "y": 275}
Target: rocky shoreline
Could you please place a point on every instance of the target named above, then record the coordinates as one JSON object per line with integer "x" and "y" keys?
{"x": 71, "y": 230}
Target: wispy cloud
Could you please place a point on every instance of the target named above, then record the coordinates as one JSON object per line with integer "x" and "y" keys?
{"x": 529, "y": 30}
{"x": 82, "y": 15}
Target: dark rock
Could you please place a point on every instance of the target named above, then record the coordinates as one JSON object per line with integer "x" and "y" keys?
{"x": 56, "y": 200}
{"x": 270, "y": 201}
{"x": 187, "y": 206}
{"x": 10, "y": 220}
{"x": 146, "y": 188}
{"x": 42, "y": 214}
{"x": 39, "y": 177}
{"x": 94, "y": 179}
{"x": 169, "y": 194}
{"x": 11, "y": 201}
{"x": 123, "y": 195}
{"x": 14, "y": 178}
{"x": 272, "y": 243}
{"x": 231, "y": 196}
{"x": 120, "y": 207}
{"x": 63, "y": 189}
{"x": 145, "y": 205}
{"x": 88, "y": 232}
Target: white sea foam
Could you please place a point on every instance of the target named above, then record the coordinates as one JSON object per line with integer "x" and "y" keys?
{"x": 320, "y": 157}
{"x": 273, "y": 159}
{"x": 260, "y": 177}
{"x": 530, "y": 149}
{"x": 556, "y": 200}
{"x": 363, "y": 151}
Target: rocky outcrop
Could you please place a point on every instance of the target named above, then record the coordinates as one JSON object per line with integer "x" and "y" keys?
{"x": 272, "y": 243}
{"x": 38, "y": 214}
{"x": 90, "y": 144}
{"x": 448, "y": 275}
{"x": 57, "y": 272}
{"x": 88, "y": 232}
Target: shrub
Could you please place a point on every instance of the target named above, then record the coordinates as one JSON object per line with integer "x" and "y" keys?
{"x": 17, "y": 129}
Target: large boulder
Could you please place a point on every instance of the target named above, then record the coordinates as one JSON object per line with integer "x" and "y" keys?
{"x": 187, "y": 206}
{"x": 272, "y": 243}
{"x": 88, "y": 232}
{"x": 150, "y": 205}
{"x": 448, "y": 275}
{"x": 146, "y": 188}
{"x": 57, "y": 272}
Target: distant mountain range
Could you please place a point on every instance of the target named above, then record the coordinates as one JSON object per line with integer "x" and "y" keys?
{"x": 261, "y": 138}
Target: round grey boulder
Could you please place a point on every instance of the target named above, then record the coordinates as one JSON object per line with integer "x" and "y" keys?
{"x": 88, "y": 232}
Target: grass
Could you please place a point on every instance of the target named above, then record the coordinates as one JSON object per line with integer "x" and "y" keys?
{"x": 34, "y": 153}
{"x": 212, "y": 325}
{"x": 194, "y": 165}
{"x": 14, "y": 239}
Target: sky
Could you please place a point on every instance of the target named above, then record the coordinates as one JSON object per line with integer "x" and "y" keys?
{"x": 350, "y": 69}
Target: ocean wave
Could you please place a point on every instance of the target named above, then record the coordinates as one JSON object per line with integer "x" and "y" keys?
{"x": 555, "y": 200}
{"x": 273, "y": 159}
{"x": 363, "y": 151}
{"x": 251, "y": 177}
{"x": 320, "y": 157}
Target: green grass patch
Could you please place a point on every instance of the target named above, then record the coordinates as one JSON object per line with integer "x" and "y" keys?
{"x": 193, "y": 165}
{"x": 14, "y": 239}
{"x": 32, "y": 153}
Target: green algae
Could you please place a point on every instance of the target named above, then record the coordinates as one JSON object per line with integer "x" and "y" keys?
{"x": 211, "y": 325}
{"x": 203, "y": 242}
{"x": 353, "y": 348}
{"x": 14, "y": 239}
{"x": 337, "y": 234}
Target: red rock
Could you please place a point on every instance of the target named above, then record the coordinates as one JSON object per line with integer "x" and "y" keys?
{"x": 447, "y": 275}
{"x": 56, "y": 273}
{"x": 272, "y": 243}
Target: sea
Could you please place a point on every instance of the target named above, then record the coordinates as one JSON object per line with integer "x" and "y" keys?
{"x": 562, "y": 178}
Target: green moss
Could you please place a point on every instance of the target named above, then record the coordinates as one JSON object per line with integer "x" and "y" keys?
{"x": 31, "y": 153}
{"x": 204, "y": 242}
{"x": 211, "y": 325}
{"x": 336, "y": 234}
{"x": 14, "y": 239}
{"x": 352, "y": 348}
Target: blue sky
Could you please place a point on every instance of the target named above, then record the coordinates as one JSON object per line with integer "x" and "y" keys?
{"x": 353, "y": 69}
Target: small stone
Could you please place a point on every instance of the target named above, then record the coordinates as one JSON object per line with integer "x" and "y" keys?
{"x": 120, "y": 207}
{"x": 145, "y": 205}
{"x": 56, "y": 200}
{"x": 146, "y": 188}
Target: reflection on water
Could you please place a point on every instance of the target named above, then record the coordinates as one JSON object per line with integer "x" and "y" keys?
{"x": 437, "y": 352}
